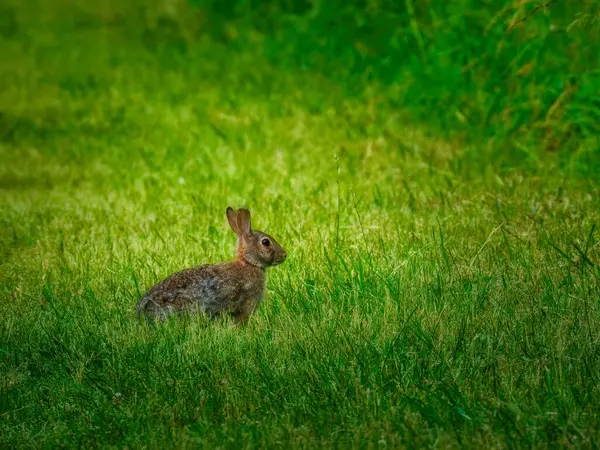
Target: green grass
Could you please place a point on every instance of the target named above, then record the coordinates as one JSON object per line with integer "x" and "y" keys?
{"x": 434, "y": 295}
{"x": 521, "y": 76}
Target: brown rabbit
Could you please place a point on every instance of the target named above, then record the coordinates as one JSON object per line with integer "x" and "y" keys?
{"x": 234, "y": 288}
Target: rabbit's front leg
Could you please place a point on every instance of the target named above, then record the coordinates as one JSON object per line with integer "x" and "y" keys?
{"x": 244, "y": 311}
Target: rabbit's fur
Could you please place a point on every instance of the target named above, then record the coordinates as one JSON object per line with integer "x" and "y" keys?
{"x": 233, "y": 288}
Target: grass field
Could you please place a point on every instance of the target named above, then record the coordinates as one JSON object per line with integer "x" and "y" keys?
{"x": 436, "y": 293}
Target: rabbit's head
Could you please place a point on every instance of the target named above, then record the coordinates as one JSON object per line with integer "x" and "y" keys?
{"x": 254, "y": 247}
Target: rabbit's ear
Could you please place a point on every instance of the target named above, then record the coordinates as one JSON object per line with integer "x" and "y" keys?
{"x": 243, "y": 221}
{"x": 232, "y": 219}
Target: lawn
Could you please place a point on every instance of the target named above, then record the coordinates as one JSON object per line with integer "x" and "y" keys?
{"x": 441, "y": 289}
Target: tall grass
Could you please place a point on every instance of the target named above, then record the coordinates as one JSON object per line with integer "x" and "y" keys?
{"x": 519, "y": 75}
{"x": 431, "y": 297}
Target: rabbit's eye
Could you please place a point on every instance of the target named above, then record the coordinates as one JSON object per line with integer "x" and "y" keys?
{"x": 265, "y": 242}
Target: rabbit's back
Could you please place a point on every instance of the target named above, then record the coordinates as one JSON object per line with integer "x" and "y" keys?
{"x": 211, "y": 289}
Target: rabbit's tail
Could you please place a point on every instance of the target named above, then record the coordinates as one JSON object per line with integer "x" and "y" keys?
{"x": 141, "y": 305}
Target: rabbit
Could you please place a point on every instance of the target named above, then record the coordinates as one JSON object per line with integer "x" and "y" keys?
{"x": 231, "y": 288}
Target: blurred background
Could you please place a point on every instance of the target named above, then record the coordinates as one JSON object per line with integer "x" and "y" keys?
{"x": 523, "y": 75}
{"x": 513, "y": 72}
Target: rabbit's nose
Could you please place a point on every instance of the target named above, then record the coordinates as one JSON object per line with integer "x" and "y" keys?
{"x": 284, "y": 255}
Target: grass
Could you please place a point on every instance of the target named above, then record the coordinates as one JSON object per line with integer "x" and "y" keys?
{"x": 516, "y": 74}
{"x": 433, "y": 295}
